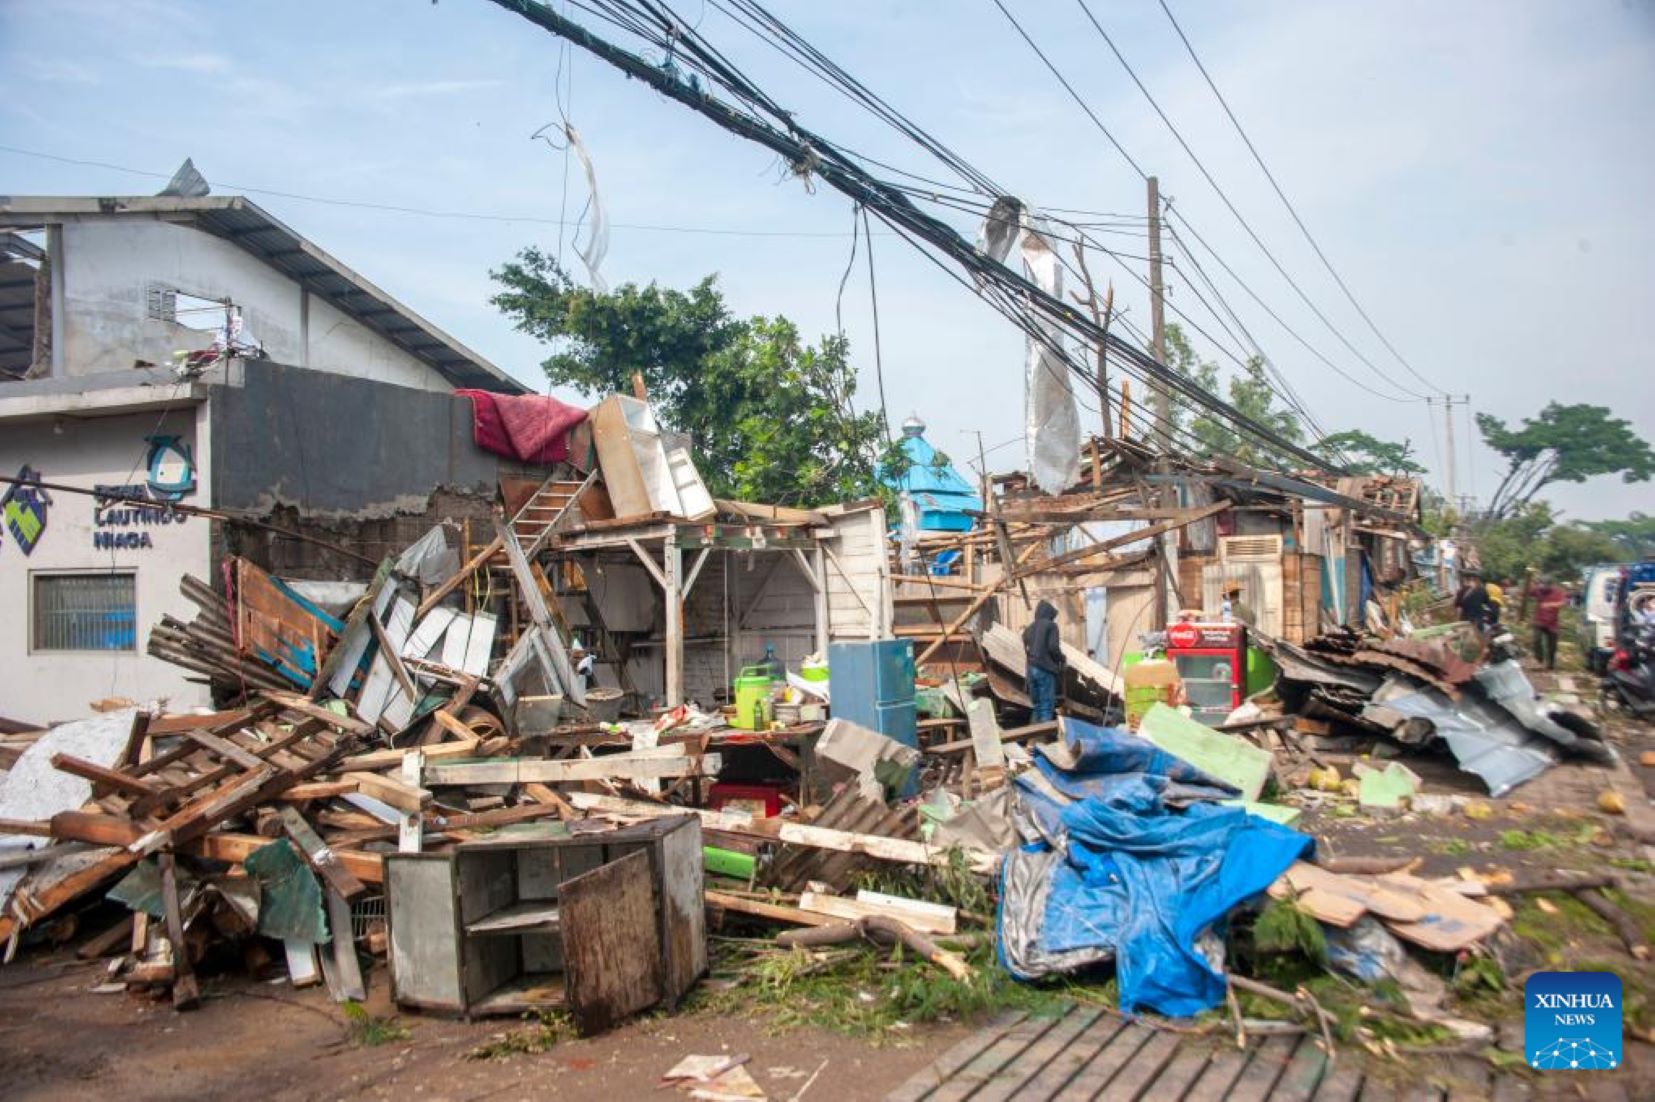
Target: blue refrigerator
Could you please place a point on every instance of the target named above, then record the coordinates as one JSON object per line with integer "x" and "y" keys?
{"x": 873, "y": 686}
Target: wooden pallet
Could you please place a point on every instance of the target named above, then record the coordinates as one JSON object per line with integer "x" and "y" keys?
{"x": 1092, "y": 1053}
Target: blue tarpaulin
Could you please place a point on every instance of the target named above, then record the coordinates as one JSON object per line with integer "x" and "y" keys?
{"x": 1134, "y": 878}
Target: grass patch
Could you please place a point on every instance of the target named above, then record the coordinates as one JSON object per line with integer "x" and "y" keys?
{"x": 1637, "y": 991}
{"x": 1632, "y": 864}
{"x": 542, "y": 1030}
{"x": 1640, "y": 912}
{"x": 864, "y": 992}
{"x": 1450, "y": 847}
{"x": 953, "y": 884}
{"x": 369, "y": 1031}
{"x": 1554, "y": 933}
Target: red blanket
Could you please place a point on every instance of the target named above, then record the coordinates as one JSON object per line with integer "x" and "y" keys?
{"x": 533, "y": 428}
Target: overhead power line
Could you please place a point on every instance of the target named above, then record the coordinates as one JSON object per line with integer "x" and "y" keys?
{"x": 813, "y": 157}
{"x": 1218, "y": 189}
{"x": 1291, "y": 210}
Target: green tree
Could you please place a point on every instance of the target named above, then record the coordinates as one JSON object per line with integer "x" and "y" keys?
{"x": 770, "y": 417}
{"x": 1247, "y": 389}
{"x": 1634, "y": 537}
{"x": 1532, "y": 537}
{"x": 1563, "y": 444}
{"x": 1363, "y": 453}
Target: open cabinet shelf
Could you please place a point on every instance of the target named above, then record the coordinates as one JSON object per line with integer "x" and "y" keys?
{"x": 603, "y": 924}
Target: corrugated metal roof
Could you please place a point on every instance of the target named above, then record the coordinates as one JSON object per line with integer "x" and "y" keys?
{"x": 249, "y": 227}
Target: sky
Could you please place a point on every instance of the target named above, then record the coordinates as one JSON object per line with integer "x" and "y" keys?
{"x": 1479, "y": 173}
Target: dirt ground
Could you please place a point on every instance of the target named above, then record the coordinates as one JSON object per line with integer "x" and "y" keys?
{"x": 60, "y": 1040}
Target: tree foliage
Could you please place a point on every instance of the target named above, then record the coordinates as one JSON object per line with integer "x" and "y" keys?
{"x": 1532, "y": 537}
{"x": 1364, "y": 453}
{"x": 1249, "y": 390}
{"x": 1634, "y": 536}
{"x": 770, "y": 417}
{"x": 1565, "y": 443}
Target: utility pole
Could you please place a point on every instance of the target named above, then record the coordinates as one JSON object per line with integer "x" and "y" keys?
{"x": 1101, "y": 319}
{"x": 1448, "y": 420}
{"x": 1162, "y": 400}
{"x": 1157, "y": 317}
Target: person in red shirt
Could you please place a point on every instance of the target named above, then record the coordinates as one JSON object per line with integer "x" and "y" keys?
{"x": 1548, "y": 602}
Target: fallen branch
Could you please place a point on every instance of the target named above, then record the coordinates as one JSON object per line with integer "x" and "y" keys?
{"x": 1630, "y": 933}
{"x": 841, "y": 932}
{"x": 1364, "y": 866}
{"x": 1559, "y": 882}
{"x": 1301, "y": 999}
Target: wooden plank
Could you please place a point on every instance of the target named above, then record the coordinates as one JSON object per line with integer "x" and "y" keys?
{"x": 1304, "y": 1073}
{"x": 985, "y": 734}
{"x": 1259, "y": 1077}
{"x": 1179, "y": 1073}
{"x": 1020, "y": 1080}
{"x": 399, "y": 794}
{"x": 559, "y": 669}
{"x": 1101, "y": 1069}
{"x": 351, "y": 725}
{"x": 1092, "y": 551}
{"x": 472, "y": 564}
{"x": 343, "y": 970}
{"x": 381, "y": 682}
{"x": 186, "y": 993}
{"x": 611, "y": 944}
{"x": 899, "y": 850}
{"x": 611, "y": 767}
{"x": 1221, "y": 1071}
{"x": 375, "y": 760}
{"x": 774, "y": 911}
{"x": 108, "y": 779}
{"x": 225, "y": 749}
{"x": 320, "y": 857}
{"x": 235, "y": 848}
{"x": 853, "y": 909}
{"x": 998, "y": 1057}
{"x": 1144, "y": 1067}
{"x": 1342, "y": 1085}
{"x": 929, "y": 1078}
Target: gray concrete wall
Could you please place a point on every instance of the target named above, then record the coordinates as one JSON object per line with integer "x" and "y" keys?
{"x": 335, "y": 446}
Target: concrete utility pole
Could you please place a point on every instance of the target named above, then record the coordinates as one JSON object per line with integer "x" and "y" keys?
{"x": 1161, "y": 399}
{"x": 1448, "y": 419}
{"x": 1157, "y": 317}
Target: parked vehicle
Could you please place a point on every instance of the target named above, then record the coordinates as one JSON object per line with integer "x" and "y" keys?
{"x": 1629, "y": 682}
{"x": 1598, "y": 606}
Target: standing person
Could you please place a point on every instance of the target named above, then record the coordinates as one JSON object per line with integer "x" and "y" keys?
{"x": 1548, "y": 603}
{"x": 1043, "y": 654}
{"x": 1235, "y": 609}
{"x": 1472, "y": 601}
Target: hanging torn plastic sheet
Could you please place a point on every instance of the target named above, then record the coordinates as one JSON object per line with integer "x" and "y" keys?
{"x": 1051, "y": 420}
{"x": 597, "y": 235}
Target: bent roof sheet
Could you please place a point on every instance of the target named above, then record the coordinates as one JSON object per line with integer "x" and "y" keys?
{"x": 249, "y": 227}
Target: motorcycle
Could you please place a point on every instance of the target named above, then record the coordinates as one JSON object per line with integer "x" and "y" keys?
{"x": 1629, "y": 684}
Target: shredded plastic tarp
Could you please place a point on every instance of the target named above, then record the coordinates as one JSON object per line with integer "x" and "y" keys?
{"x": 1051, "y": 420}
{"x": 1129, "y": 876}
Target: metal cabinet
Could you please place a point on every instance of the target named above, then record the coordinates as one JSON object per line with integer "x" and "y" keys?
{"x": 603, "y": 924}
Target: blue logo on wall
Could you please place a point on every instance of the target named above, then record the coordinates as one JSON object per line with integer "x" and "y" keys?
{"x": 1572, "y": 1021}
{"x": 171, "y": 468}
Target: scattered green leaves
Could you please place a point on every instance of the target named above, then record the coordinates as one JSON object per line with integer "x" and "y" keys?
{"x": 367, "y": 1030}
{"x": 542, "y": 1030}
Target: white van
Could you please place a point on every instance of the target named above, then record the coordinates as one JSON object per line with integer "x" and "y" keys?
{"x": 1598, "y": 596}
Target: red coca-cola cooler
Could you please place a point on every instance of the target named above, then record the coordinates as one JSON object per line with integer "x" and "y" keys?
{"x": 1212, "y": 663}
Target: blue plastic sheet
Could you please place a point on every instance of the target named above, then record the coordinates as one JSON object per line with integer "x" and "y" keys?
{"x": 1137, "y": 879}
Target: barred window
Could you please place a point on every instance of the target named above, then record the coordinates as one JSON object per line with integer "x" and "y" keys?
{"x": 85, "y": 612}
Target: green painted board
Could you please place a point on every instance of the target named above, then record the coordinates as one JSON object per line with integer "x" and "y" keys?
{"x": 1224, "y": 756}
{"x": 1276, "y": 813}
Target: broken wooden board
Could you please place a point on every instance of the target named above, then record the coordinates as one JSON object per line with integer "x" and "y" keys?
{"x": 1450, "y": 922}
{"x": 612, "y": 767}
{"x": 928, "y": 918}
{"x": 897, "y": 850}
{"x": 1230, "y": 758}
{"x": 611, "y": 944}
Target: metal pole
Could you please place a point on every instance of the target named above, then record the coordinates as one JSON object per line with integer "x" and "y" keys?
{"x": 1448, "y": 417}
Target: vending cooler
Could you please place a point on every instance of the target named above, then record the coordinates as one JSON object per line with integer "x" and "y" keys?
{"x": 873, "y": 686}
{"x": 1212, "y": 662}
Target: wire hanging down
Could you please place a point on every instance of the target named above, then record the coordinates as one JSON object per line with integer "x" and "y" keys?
{"x": 698, "y": 76}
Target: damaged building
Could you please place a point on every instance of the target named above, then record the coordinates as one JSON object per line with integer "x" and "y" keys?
{"x": 196, "y": 352}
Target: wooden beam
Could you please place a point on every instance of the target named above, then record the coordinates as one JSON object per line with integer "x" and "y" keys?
{"x": 695, "y": 569}
{"x": 608, "y": 768}
{"x": 112, "y": 779}
{"x": 394, "y": 659}
{"x": 294, "y": 703}
{"x": 390, "y": 790}
{"x": 475, "y": 563}
{"x": 1155, "y": 530}
{"x": 899, "y": 850}
{"x": 236, "y": 848}
{"x": 773, "y": 911}
{"x": 376, "y": 760}
{"x": 319, "y": 856}
{"x": 649, "y": 562}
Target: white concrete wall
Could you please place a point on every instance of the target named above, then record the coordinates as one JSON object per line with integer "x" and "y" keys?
{"x": 57, "y": 685}
{"x": 110, "y": 264}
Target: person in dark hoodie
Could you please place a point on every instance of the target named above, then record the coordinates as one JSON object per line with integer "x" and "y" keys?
{"x": 1043, "y": 652}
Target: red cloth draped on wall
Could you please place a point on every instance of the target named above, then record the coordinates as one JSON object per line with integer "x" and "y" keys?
{"x": 532, "y": 428}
